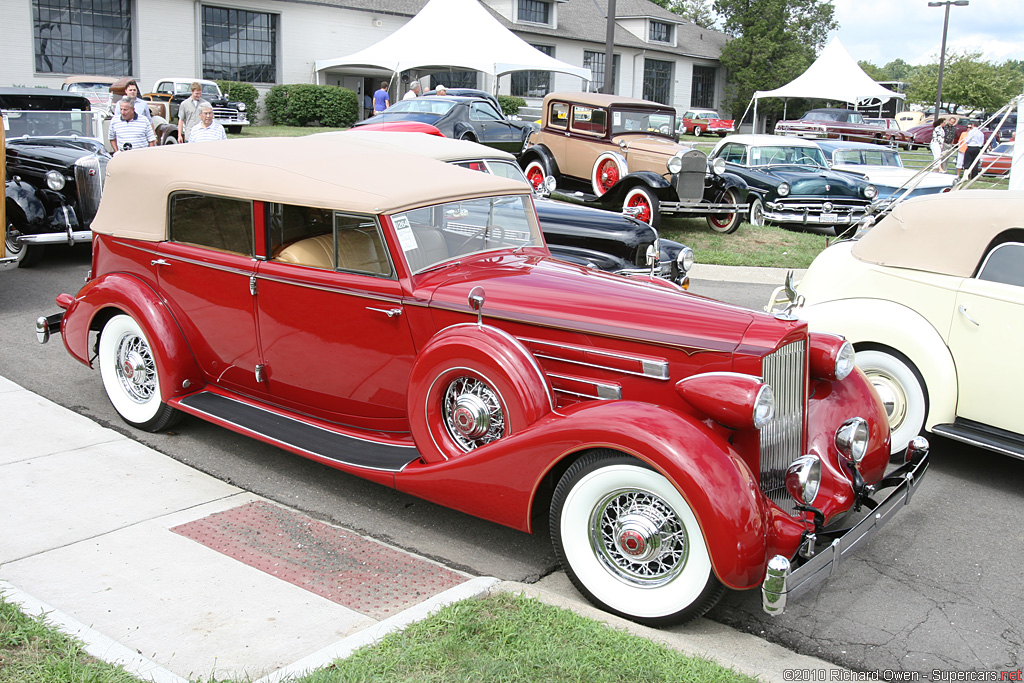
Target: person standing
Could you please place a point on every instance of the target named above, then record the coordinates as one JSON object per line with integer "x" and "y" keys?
{"x": 141, "y": 106}
{"x": 938, "y": 139}
{"x": 949, "y": 140}
{"x": 414, "y": 91}
{"x": 381, "y": 98}
{"x": 207, "y": 129}
{"x": 130, "y": 131}
{"x": 975, "y": 141}
{"x": 188, "y": 111}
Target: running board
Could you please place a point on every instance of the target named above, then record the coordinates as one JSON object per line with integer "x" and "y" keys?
{"x": 982, "y": 436}
{"x": 297, "y": 435}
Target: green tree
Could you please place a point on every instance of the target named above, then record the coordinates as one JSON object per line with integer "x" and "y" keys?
{"x": 967, "y": 83}
{"x": 898, "y": 70}
{"x": 774, "y": 41}
{"x": 873, "y": 71}
{"x": 699, "y": 12}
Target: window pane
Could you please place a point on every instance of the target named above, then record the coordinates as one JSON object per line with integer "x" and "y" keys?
{"x": 82, "y": 36}
{"x": 595, "y": 62}
{"x": 536, "y": 11}
{"x": 533, "y": 83}
{"x": 239, "y": 45}
{"x": 658, "y": 81}
{"x": 215, "y": 222}
{"x": 1005, "y": 264}
{"x": 702, "y": 90}
{"x": 660, "y": 31}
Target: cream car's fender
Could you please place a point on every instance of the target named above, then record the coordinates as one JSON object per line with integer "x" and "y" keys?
{"x": 886, "y": 323}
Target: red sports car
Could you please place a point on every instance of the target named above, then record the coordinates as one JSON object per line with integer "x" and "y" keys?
{"x": 701, "y": 121}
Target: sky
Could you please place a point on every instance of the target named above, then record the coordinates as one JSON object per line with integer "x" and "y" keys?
{"x": 880, "y": 31}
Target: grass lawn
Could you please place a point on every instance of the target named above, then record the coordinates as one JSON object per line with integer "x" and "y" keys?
{"x": 501, "y": 638}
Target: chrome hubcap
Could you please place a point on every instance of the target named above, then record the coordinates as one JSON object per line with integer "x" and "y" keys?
{"x": 638, "y": 538}
{"x": 473, "y": 414}
{"x": 893, "y": 398}
{"x": 136, "y": 370}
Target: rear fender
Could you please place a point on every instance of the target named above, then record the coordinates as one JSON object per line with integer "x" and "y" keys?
{"x": 542, "y": 154}
{"x": 506, "y": 480}
{"x": 107, "y": 296}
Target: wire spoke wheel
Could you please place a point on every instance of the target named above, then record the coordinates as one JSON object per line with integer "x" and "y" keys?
{"x": 473, "y": 413}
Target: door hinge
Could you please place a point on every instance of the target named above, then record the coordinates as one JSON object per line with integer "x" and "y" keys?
{"x": 261, "y": 373}
{"x": 252, "y": 285}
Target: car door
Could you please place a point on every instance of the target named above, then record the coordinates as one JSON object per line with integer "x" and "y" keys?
{"x": 986, "y": 330}
{"x": 333, "y": 330}
{"x": 493, "y": 129}
{"x": 204, "y": 271}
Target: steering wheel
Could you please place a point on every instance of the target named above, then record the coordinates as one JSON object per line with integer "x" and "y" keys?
{"x": 485, "y": 231}
{"x": 809, "y": 160}
{"x": 67, "y": 131}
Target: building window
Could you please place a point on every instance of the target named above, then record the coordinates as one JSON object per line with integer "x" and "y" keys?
{"x": 702, "y": 90}
{"x": 533, "y": 83}
{"x": 454, "y": 79}
{"x": 535, "y": 11}
{"x": 595, "y": 62}
{"x": 660, "y": 32}
{"x": 83, "y": 36}
{"x": 658, "y": 81}
{"x": 239, "y": 45}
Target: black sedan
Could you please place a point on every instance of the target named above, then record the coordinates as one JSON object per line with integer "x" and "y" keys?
{"x": 790, "y": 182}
{"x": 461, "y": 118}
{"x": 56, "y": 161}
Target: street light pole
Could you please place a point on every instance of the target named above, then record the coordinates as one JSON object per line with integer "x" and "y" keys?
{"x": 942, "y": 54}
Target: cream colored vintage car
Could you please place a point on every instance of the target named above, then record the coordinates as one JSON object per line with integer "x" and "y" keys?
{"x": 932, "y": 299}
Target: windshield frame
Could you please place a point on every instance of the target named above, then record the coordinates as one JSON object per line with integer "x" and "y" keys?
{"x": 13, "y": 119}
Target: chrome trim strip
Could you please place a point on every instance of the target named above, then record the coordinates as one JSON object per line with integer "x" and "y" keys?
{"x": 604, "y": 390}
{"x": 655, "y": 369}
{"x": 987, "y": 445}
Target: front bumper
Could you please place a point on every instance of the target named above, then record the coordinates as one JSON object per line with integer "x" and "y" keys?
{"x": 813, "y": 213}
{"x": 783, "y": 583}
{"x": 69, "y": 237}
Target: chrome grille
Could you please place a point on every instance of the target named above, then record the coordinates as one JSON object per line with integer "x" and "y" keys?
{"x": 689, "y": 181}
{"x": 782, "y": 437}
{"x": 89, "y": 175}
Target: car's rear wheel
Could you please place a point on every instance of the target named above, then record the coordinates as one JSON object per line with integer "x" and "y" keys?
{"x": 646, "y": 204}
{"x": 756, "y": 214}
{"x": 630, "y": 542}
{"x": 535, "y": 173}
{"x": 609, "y": 169}
{"x": 698, "y": 131}
{"x": 234, "y": 130}
{"x": 901, "y": 389}
{"x": 130, "y": 376}
{"x": 726, "y": 223}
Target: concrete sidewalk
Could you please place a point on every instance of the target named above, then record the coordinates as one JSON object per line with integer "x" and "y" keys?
{"x": 175, "y": 574}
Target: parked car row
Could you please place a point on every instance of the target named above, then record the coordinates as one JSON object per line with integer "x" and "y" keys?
{"x": 400, "y": 317}
{"x": 842, "y": 124}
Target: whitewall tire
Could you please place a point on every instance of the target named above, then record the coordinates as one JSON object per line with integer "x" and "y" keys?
{"x": 130, "y": 377}
{"x": 901, "y": 390}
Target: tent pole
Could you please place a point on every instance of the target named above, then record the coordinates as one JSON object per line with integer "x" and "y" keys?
{"x": 744, "y": 117}
{"x": 753, "y": 127}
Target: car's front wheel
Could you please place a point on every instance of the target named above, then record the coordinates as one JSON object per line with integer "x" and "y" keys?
{"x": 630, "y": 542}
{"x": 901, "y": 389}
{"x": 130, "y": 376}
{"x": 726, "y": 223}
{"x": 25, "y": 255}
{"x": 756, "y": 214}
{"x": 644, "y": 206}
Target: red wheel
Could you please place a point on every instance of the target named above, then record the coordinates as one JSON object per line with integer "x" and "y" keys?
{"x": 470, "y": 387}
{"x": 649, "y": 206}
{"x": 535, "y": 174}
{"x": 608, "y": 170}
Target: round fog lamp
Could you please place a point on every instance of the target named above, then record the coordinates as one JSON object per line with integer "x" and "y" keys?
{"x": 54, "y": 181}
{"x": 764, "y": 406}
{"x": 852, "y": 439}
{"x": 803, "y": 479}
{"x": 675, "y": 163}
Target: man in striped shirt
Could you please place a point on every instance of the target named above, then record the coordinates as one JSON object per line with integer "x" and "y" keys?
{"x": 207, "y": 129}
{"x": 130, "y": 131}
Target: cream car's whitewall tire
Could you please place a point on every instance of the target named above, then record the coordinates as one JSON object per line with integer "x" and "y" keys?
{"x": 901, "y": 390}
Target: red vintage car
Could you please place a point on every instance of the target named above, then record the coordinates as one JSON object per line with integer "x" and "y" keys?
{"x": 400, "y": 319}
{"x": 700, "y": 121}
{"x": 997, "y": 162}
{"x": 840, "y": 124}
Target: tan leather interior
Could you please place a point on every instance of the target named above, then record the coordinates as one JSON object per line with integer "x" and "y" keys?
{"x": 358, "y": 250}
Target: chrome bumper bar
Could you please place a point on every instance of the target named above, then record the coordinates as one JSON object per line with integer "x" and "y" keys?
{"x": 47, "y": 325}
{"x": 783, "y": 583}
{"x": 70, "y": 237}
{"x": 703, "y": 208}
{"x": 806, "y": 217}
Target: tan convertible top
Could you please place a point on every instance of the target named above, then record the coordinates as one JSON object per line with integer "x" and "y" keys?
{"x": 943, "y": 233}
{"x": 336, "y": 172}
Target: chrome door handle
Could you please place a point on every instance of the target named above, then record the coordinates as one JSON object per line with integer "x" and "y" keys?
{"x": 159, "y": 262}
{"x": 389, "y": 312}
{"x": 964, "y": 313}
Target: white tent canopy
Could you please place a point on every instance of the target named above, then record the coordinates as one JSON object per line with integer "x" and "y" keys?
{"x": 482, "y": 44}
{"x": 834, "y": 75}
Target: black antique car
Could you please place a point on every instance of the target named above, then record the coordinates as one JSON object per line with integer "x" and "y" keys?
{"x": 56, "y": 162}
{"x": 462, "y": 118}
{"x": 791, "y": 184}
{"x": 171, "y": 92}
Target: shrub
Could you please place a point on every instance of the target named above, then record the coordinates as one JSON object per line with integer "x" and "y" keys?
{"x": 242, "y": 92}
{"x": 510, "y": 105}
{"x": 300, "y": 104}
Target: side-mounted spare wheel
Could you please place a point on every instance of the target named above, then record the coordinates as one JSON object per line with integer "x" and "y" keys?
{"x": 630, "y": 542}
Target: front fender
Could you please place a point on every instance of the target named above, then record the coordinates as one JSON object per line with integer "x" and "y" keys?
{"x": 109, "y": 295}
{"x": 503, "y": 481}
{"x": 542, "y": 154}
{"x": 30, "y": 208}
{"x": 889, "y": 324}
{"x": 658, "y": 185}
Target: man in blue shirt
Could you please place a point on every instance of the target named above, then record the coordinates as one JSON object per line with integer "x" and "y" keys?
{"x": 130, "y": 131}
{"x": 381, "y": 99}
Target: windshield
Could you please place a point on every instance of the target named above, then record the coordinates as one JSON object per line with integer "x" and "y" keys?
{"x": 838, "y": 116}
{"x": 434, "y": 234}
{"x": 88, "y": 87}
{"x": 421, "y": 105}
{"x": 785, "y": 154}
{"x": 643, "y": 122}
{"x": 867, "y": 157}
{"x": 505, "y": 169}
{"x": 1005, "y": 148}
{"x": 33, "y": 123}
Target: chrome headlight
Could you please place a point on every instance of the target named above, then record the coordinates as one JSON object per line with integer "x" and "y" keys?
{"x": 764, "y": 406}
{"x": 241, "y": 106}
{"x": 852, "y": 439}
{"x": 675, "y": 163}
{"x": 55, "y": 180}
{"x": 783, "y": 190}
{"x": 718, "y": 166}
{"x": 845, "y": 361}
{"x": 803, "y": 479}
{"x": 684, "y": 259}
{"x": 870, "y": 191}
